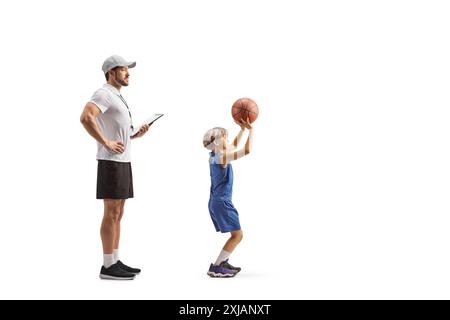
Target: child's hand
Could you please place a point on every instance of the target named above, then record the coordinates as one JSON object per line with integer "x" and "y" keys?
{"x": 240, "y": 124}
{"x": 245, "y": 124}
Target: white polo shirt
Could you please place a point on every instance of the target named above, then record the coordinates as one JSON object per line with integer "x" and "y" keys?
{"x": 114, "y": 122}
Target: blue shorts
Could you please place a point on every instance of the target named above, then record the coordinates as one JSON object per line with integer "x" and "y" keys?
{"x": 224, "y": 216}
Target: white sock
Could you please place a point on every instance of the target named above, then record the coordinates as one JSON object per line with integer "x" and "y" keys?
{"x": 108, "y": 260}
{"x": 224, "y": 255}
{"x": 116, "y": 255}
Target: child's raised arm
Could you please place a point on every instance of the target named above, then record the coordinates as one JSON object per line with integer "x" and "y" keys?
{"x": 227, "y": 157}
{"x": 239, "y": 135}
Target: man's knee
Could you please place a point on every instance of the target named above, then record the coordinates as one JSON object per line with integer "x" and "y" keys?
{"x": 120, "y": 215}
{"x": 113, "y": 215}
{"x": 122, "y": 208}
{"x": 113, "y": 211}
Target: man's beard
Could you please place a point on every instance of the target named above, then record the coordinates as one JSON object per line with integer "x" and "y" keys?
{"x": 122, "y": 83}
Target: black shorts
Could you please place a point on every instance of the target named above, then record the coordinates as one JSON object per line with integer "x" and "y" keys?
{"x": 114, "y": 180}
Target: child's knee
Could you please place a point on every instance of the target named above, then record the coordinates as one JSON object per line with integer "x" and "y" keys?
{"x": 237, "y": 235}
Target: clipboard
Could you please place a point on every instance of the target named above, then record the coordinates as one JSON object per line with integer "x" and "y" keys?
{"x": 149, "y": 121}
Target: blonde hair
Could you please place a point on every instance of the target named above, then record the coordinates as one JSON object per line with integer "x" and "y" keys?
{"x": 212, "y": 135}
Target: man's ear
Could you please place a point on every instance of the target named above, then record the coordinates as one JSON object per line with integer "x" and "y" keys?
{"x": 111, "y": 73}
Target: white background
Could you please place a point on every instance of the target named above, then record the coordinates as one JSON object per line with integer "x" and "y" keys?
{"x": 346, "y": 194}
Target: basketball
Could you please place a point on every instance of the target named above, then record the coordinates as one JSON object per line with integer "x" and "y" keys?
{"x": 243, "y": 108}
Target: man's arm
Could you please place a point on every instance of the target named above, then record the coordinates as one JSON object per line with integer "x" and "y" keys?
{"x": 90, "y": 113}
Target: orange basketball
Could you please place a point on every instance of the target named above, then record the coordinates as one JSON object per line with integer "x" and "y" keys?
{"x": 243, "y": 108}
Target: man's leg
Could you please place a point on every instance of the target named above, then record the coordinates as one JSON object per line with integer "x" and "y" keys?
{"x": 111, "y": 214}
{"x": 111, "y": 269}
{"x": 117, "y": 230}
{"x": 115, "y": 250}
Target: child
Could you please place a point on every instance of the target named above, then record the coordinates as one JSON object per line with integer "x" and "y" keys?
{"x": 223, "y": 214}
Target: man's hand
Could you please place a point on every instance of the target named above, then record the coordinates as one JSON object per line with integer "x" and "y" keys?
{"x": 142, "y": 131}
{"x": 115, "y": 146}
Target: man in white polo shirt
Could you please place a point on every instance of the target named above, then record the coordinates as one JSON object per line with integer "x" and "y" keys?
{"x": 107, "y": 118}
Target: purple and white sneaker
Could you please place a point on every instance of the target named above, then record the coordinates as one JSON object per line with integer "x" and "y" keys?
{"x": 221, "y": 271}
{"x": 229, "y": 266}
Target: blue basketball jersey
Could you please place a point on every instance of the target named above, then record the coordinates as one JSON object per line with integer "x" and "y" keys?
{"x": 221, "y": 179}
